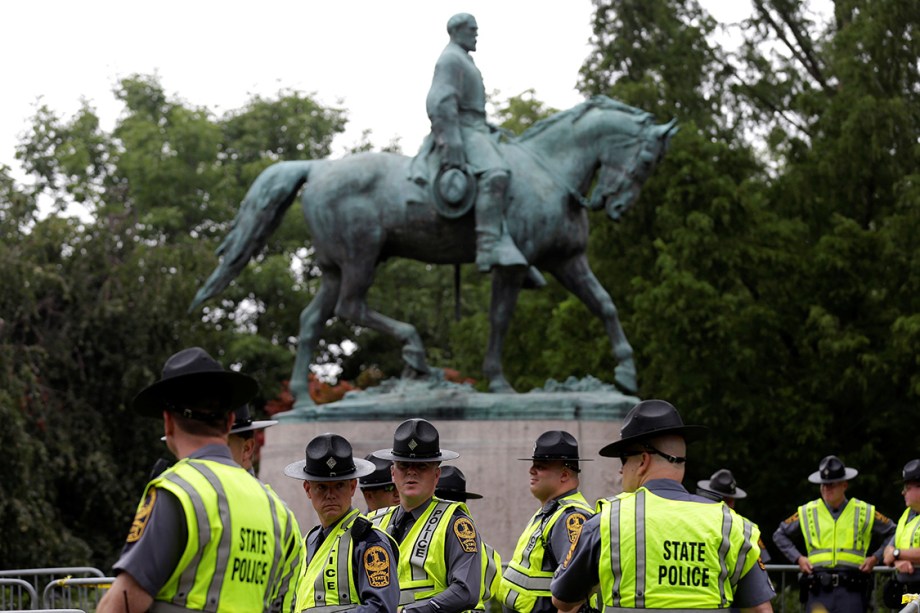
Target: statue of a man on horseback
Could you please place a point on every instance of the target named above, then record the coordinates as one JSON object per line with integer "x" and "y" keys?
{"x": 464, "y": 146}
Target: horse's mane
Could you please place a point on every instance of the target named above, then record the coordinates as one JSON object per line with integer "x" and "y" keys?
{"x": 576, "y": 112}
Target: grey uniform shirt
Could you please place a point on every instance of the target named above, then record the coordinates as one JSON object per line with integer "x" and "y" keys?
{"x": 381, "y": 598}
{"x": 574, "y": 580}
{"x": 151, "y": 559}
{"x": 464, "y": 568}
{"x": 789, "y": 533}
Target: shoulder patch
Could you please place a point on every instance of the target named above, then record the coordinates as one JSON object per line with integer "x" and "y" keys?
{"x": 466, "y": 534}
{"x": 568, "y": 556}
{"x": 142, "y": 516}
{"x": 573, "y": 524}
{"x": 792, "y": 518}
{"x": 377, "y": 566}
{"x": 882, "y": 518}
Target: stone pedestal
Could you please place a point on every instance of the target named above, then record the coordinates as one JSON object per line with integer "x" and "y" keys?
{"x": 489, "y": 431}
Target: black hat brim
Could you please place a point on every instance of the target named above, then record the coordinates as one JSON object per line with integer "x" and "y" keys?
{"x": 443, "y": 455}
{"x": 256, "y": 425}
{"x": 848, "y": 473}
{"x": 295, "y": 470}
{"x": 236, "y": 388}
{"x": 456, "y": 494}
{"x": 689, "y": 433}
{"x": 706, "y": 484}
{"x": 550, "y": 459}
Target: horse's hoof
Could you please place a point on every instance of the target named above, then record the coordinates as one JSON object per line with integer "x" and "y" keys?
{"x": 415, "y": 359}
{"x": 501, "y": 386}
{"x": 625, "y": 377}
{"x": 412, "y": 374}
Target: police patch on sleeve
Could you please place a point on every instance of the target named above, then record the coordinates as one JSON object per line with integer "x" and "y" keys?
{"x": 377, "y": 566}
{"x": 142, "y": 516}
{"x": 880, "y": 517}
{"x": 466, "y": 534}
{"x": 792, "y": 518}
{"x": 573, "y": 524}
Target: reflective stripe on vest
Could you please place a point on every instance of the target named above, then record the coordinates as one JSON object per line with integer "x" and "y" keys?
{"x": 319, "y": 586}
{"x": 658, "y": 553}
{"x": 234, "y": 545}
{"x": 422, "y": 575}
{"x": 840, "y": 542}
{"x": 907, "y": 533}
{"x": 525, "y": 580}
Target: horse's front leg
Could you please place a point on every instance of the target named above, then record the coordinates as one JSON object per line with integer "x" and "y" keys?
{"x": 312, "y": 321}
{"x": 506, "y": 285}
{"x": 576, "y": 275}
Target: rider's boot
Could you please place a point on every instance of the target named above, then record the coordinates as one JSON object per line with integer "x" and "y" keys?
{"x": 494, "y": 246}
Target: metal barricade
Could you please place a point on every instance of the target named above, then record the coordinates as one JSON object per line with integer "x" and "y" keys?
{"x": 16, "y": 594}
{"x": 75, "y": 592}
{"x": 785, "y": 578}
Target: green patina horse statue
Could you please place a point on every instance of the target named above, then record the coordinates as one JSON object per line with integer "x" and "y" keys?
{"x": 363, "y": 209}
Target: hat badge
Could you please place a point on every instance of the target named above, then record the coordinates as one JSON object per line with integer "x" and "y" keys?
{"x": 330, "y": 463}
{"x": 412, "y": 444}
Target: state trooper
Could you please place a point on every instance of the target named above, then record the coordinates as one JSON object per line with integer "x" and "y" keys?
{"x": 378, "y": 488}
{"x": 903, "y": 550}
{"x": 349, "y": 564}
{"x": 721, "y": 486}
{"x": 656, "y": 546}
{"x": 440, "y": 552}
{"x": 452, "y": 486}
{"x": 837, "y": 533}
{"x": 242, "y": 439}
{"x": 207, "y": 536}
{"x": 551, "y": 531}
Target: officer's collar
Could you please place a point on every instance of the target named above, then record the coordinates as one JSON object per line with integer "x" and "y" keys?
{"x": 553, "y": 503}
{"x": 416, "y": 512}
{"x": 842, "y": 506}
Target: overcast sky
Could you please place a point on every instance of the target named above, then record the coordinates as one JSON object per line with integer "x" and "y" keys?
{"x": 372, "y": 57}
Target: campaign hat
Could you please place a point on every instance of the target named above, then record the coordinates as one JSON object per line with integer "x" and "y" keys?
{"x": 556, "y": 445}
{"x": 452, "y": 485}
{"x": 722, "y": 483}
{"x": 831, "y": 470}
{"x": 381, "y": 477}
{"x": 649, "y": 419}
{"x": 245, "y": 423}
{"x": 911, "y": 471}
{"x": 190, "y": 375}
{"x": 328, "y": 458}
{"x": 416, "y": 440}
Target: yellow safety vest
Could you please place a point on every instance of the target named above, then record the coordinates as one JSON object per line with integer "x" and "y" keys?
{"x": 658, "y": 553}
{"x": 242, "y": 568}
{"x": 525, "y": 580}
{"x": 319, "y": 589}
{"x": 907, "y": 534}
{"x": 422, "y": 566}
{"x": 842, "y": 542}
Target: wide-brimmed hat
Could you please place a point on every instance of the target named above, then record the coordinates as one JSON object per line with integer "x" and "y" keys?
{"x": 722, "y": 483}
{"x": 648, "y": 419}
{"x": 190, "y": 375}
{"x": 245, "y": 423}
{"x": 328, "y": 458}
{"x": 416, "y": 440}
{"x": 452, "y": 486}
{"x": 911, "y": 471}
{"x": 556, "y": 445}
{"x": 381, "y": 477}
{"x": 832, "y": 470}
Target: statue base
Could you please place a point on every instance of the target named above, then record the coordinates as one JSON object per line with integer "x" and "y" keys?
{"x": 493, "y": 433}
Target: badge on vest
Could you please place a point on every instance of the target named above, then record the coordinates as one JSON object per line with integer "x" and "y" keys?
{"x": 142, "y": 517}
{"x": 377, "y": 566}
{"x": 466, "y": 534}
{"x": 573, "y": 524}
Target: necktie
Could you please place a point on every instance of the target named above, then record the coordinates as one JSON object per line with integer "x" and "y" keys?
{"x": 399, "y": 529}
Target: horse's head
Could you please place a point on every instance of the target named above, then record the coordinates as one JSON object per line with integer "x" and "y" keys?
{"x": 629, "y": 148}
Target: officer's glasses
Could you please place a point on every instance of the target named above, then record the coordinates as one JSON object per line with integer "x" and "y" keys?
{"x": 624, "y": 457}
{"x": 909, "y": 486}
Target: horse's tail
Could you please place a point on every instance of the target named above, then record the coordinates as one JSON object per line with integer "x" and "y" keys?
{"x": 263, "y": 208}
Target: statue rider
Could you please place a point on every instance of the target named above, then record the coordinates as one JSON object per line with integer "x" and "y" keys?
{"x": 456, "y": 106}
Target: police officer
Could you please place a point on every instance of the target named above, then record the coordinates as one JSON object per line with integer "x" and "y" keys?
{"x": 378, "y": 488}
{"x": 452, "y": 486}
{"x": 440, "y": 553}
{"x": 721, "y": 486}
{"x": 656, "y": 546}
{"x": 349, "y": 564}
{"x": 242, "y": 439}
{"x": 836, "y": 533}
{"x": 552, "y": 529}
{"x": 207, "y": 535}
{"x": 903, "y": 550}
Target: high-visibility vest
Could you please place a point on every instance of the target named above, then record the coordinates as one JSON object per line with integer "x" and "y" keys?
{"x": 422, "y": 565}
{"x": 841, "y": 542}
{"x": 239, "y": 534}
{"x": 658, "y": 553}
{"x": 328, "y": 581}
{"x": 907, "y": 534}
{"x": 525, "y": 580}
